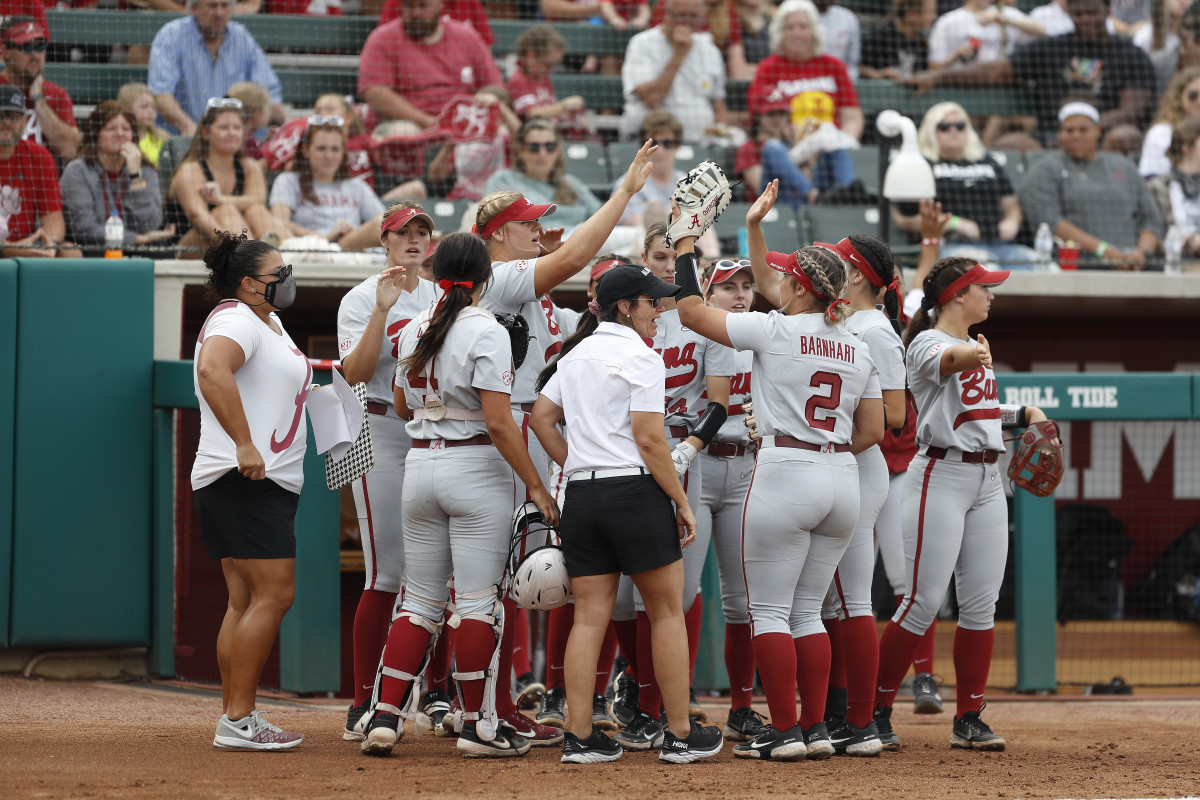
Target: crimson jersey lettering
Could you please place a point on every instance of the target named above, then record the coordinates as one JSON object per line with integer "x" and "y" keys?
{"x": 738, "y": 385}
{"x": 826, "y": 422}
{"x": 280, "y": 446}
{"x": 393, "y": 333}
{"x": 976, "y": 388}
{"x": 676, "y": 358}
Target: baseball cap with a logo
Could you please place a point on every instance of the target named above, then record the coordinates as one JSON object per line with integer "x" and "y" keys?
{"x": 626, "y": 280}
{"x": 21, "y": 29}
{"x": 11, "y": 99}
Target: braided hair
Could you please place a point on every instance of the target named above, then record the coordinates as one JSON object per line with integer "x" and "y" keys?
{"x": 827, "y": 272}
{"x": 880, "y": 257}
{"x": 941, "y": 275}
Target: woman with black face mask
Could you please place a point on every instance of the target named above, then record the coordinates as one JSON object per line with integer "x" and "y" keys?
{"x": 252, "y": 383}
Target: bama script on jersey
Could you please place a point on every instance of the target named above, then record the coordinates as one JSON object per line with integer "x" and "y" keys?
{"x": 820, "y": 347}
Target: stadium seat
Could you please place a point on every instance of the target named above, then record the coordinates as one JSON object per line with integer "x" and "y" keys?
{"x": 833, "y": 223}
{"x": 725, "y": 156}
{"x": 169, "y": 159}
{"x": 1013, "y": 164}
{"x": 866, "y": 167}
{"x": 781, "y": 228}
{"x": 447, "y": 214}
{"x": 588, "y": 161}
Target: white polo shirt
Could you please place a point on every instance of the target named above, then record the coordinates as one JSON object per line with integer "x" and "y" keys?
{"x": 598, "y": 384}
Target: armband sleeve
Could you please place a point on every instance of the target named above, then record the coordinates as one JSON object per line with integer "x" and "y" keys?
{"x": 1013, "y": 416}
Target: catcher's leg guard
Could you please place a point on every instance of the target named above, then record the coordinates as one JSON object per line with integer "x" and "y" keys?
{"x": 472, "y": 607}
{"x": 412, "y": 693}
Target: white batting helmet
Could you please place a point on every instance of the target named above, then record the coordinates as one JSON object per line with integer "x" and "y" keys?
{"x": 538, "y": 579}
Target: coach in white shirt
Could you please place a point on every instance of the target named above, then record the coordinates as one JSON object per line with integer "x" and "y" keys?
{"x": 608, "y": 385}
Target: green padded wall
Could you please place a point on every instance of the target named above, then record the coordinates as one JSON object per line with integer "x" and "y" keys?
{"x": 82, "y": 489}
{"x": 8, "y": 384}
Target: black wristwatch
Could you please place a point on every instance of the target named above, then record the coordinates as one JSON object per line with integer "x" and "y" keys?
{"x": 133, "y": 176}
{"x": 37, "y": 97}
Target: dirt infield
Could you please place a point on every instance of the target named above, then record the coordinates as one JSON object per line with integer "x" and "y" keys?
{"x": 87, "y": 739}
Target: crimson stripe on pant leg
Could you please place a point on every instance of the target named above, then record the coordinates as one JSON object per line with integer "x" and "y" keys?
{"x": 370, "y": 532}
{"x": 912, "y": 590}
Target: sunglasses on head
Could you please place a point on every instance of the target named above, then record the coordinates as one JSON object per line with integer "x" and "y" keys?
{"x": 326, "y": 120}
{"x": 29, "y": 47}
{"x": 283, "y": 273}
{"x": 223, "y": 103}
{"x": 669, "y": 144}
{"x": 951, "y": 126}
{"x": 534, "y": 147}
{"x": 729, "y": 263}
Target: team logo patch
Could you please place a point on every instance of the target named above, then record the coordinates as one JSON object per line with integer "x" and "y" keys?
{"x": 346, "y": 344}
{"x": 506, "y": 376}
{"x": 521, "y": 266}
{"x": 933, "y": 351}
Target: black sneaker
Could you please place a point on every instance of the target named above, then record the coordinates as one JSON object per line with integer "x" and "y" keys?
{"x": 744, "y": 724}
{"x": 529, "y": 691}
{"x": 773, "y": 745}
{"x": 435, "y": 704}
{"x": 625, "y": 698}
{"x": 643, "y": 733}
{"x": 816, "y": 740}
{"x": 551, "y": 712}
{"x": 382, "y": 734}
{"x": 835, "y": 707}
{"x": 505, "y": 745}
{"x": 695, "y": 710}
{"x": 354, "y": 728}
{"x": 701, "y": 742}
{"x": 594, "y": 749}
{"x": 926, "y": 699}
{"x": 883, "y": 727}
{"x": 851, "y": 741}
{"x": 618, "y": 669}
{"x": 972, "y": 733}
{"x": 601, "y": 719}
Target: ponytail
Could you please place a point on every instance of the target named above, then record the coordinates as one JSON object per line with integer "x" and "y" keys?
{"x": 879, "y": 257}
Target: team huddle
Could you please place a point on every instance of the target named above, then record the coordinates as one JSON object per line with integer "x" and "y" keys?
{"x": 665, "y": 417}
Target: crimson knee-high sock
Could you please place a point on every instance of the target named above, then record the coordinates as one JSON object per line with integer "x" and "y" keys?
{"x": 521, "y": 649}
{"x": 438, "y": 672}
{"x": 504, "y": 701}
{"x": 627, "y": 637}
{"x": 371, "y": 620}
{"x": 404, "y": 651}
{"x": 775, "y": 654}
{"x": 473, "y": 647}
{"x": 923, "y": 660}
{"x": 608, "y": 651}
{"x": 692, "y": 620}
{"x": 649, "y": 696}
{"x": 812, "y": 677}
{"x": 972, "y": 662}
{"x": 860, "y": 649}
{"x": 837, "y": 658}
{"x": 559, "y": 629}
{"x": 739, "y": 663}
{"x": 896, "y": 648}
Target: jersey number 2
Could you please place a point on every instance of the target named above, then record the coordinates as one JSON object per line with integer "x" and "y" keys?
{"x": 825, "y": 422}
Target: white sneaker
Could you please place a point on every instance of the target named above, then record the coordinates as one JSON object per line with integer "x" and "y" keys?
{"x": 253, "y": 733}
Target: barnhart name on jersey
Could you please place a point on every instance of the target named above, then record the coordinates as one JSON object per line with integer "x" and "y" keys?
{"x": 820, "y": 347}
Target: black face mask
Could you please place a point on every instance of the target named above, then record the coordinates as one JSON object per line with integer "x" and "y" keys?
{"x": 281, "y": 294}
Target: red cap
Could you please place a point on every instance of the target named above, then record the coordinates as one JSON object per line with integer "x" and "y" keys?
{"x": 604, "y": 266}
{"x": 24, "y": 32}
{"x": 519, "y": 210}
{"x": 725, "y": 269}
{"x": 788, "y": 264}
{"x": 401, "y": 218}
{"x": 976, "y": 274}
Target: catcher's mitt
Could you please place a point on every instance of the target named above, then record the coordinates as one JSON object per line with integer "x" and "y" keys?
{"x": 701, "y": 195}
{"x": 1037, "y": 463}
{"x": 518, "y": 333}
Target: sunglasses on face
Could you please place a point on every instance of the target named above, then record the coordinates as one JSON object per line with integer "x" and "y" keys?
{"x": 283, "y": 273}
{"x": 534, "y": 147}
{"x": 951, "y": 126}
{"x": 29, "y": 47}
{"x": 1193, "y": 96}
{"x": 223, "y": 103}
{"x": 669, "y": 144}
{"x": 325, "y": 120}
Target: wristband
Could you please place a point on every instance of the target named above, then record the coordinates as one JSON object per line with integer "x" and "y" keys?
{"x": 1012, "y": 416}
{"x": 927, "y": 242}
{"x": 37, "y": 97}
{"x": 686, "y": 276}
{"x": 953, "y": 223}
{"x": 1101, "y": 249}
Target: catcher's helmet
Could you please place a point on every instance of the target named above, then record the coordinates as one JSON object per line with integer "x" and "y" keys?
{"x": 539, "y": 580}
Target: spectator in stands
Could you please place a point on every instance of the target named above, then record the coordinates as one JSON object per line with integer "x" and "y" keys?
{"x": 472, "y": 163}
{"x": 1162, "y": 31}
{"x": 31, "y": 218}
{"x": 358, "y": 141}
{"x": 1178, "y": 192}
{"x": 754, "y": 18}
{"x": 985, "y": 214}
{"x": 1094, "y": 198}
{"x": 319, "y": 197}
{"x": 675, "y": 68}
{"x": 822, "y": 99}
{"x": 138, "y": 101}
{"x": 50, "y": 115}
{"x": 312, "y": 8}
{"x": 200, "y": 56}
{"x": 721, "y": 19}
{"x": 471, "y": 12}
{"x": 1168, "y": 62}
{"x": 216, "y": 186}
{"x": 980, "y": 31}
{"x": 772, "y": 120}
{"x": 412, "y": 66}
{"x": 108, "y": 174}
{"x": 1181, "y": 102}
{"x": 539, "y": 50}
{"x": 1054, "y": 18}
{"x": 898, "y": 47}
{"x": 256, "y": 104}
{"x": 843, "y": 37}
{"x": 30, "y": 8}
{"x": 1117, "y": 75}
{"x": 653, "y": 203}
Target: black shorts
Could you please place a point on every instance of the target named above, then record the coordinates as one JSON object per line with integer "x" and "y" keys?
{"x": 241, "y": 518}
{"x": 624, "y": 524}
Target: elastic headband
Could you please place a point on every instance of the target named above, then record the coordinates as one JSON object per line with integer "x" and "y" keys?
{"x": 1079, "y": 108}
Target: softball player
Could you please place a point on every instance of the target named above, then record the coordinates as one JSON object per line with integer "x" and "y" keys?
{"x": 817, "y": 402}
{"x": 371, "y": 318}
{"x": 955, "y": 517}
{"x": 453, "y": 378}
{"x": 727, "y": 464}
{"x": 847, "y": 614}
{"x": 695, "y": 366}
{"x": 527, "y": 262}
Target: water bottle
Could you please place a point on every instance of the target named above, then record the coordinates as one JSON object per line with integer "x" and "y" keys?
{"x": 114, "y": 235}
{"x": 1173, "y": 250}
{"x": 1043, "y": 243}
